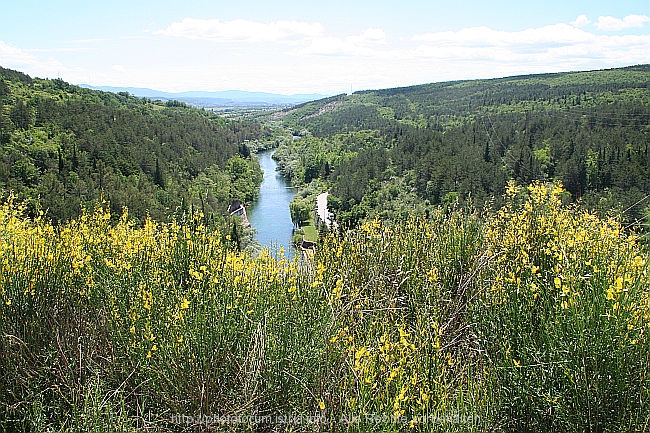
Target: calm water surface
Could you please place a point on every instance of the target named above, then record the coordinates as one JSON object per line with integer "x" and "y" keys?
{"x": 270, "y": 214}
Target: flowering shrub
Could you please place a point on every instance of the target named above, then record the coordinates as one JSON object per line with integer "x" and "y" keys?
{"x": 532, "y": 319}
{"x": 397, "y": 295}
{"x": 564, "y": 316}
{"x": 101, "y": 320}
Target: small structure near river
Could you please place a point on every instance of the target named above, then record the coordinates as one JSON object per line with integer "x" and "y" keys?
{"x": 237, "y": 208}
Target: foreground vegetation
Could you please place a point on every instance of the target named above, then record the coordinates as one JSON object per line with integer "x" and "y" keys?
{"x": 534, "y": 318}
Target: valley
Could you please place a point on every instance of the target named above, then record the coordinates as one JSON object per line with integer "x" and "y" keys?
{"x": 486, "y": 268}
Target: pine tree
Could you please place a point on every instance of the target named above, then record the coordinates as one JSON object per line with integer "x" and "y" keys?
{"x": 158, "y": 175}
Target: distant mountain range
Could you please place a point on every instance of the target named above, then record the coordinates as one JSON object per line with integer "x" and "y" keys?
{"x": 227, "y": 98}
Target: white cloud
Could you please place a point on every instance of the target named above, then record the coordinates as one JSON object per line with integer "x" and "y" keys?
{"x": 487, "y": 37}
{"x": 615, "y": 24}
{"x": 298, "y": 56}
{"x": 553, "y": 43}
{"x": 364, "y": 44}
{"x": 581, "y": 21}
{"x": 14, "y": 56}
{"x": 370, "y": 36}
{"x": 484, "y": 52}
{"x": 304, "y": 38}
{"x": 241, "y": 30}
{"x": 25, "y": 61}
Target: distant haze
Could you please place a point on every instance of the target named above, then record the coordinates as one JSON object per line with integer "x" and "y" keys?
{"x": 226, "y": 98}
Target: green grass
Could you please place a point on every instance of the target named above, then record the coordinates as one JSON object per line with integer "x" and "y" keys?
{"x": 311, "y": 234}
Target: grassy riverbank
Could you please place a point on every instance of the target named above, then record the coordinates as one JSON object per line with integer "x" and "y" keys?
{"x": 307, "y": 231}
{"x": 311, "y": 234}
{"x": 532, "y": 319}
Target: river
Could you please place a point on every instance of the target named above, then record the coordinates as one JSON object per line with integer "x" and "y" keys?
{"x": 270, "y": 214}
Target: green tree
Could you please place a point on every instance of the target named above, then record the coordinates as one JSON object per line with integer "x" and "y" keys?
{"x": 159, "y": 175}
{"x": 300, "y": 209}
{"x": 21, "y": 115}
{"x": 5, "y": 129}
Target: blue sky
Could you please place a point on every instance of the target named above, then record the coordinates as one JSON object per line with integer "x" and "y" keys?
{"x": 315, "y": 47}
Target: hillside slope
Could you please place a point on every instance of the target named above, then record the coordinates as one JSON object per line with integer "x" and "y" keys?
{"x": 65, "y": 147}
{"x": 389, "y": 151}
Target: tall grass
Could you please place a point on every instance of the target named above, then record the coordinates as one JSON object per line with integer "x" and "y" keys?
{"x": 398, "y": 300}
{"x": 129, "y": 327}
{"x": 533, "y": 319}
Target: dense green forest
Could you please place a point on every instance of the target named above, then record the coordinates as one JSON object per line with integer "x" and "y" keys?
{"x": 64, "y": 148}
{"x": 387, "y": 153}
{"x": 393, "y": 152}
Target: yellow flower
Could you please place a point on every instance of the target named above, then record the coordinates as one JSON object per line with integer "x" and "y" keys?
{"x": 432, "y": 275}
{"x": 638, "y": 261}
{"x": 185, "y": 304}
{"x": 321, "y": 405}
{"x": 511, "y": 188}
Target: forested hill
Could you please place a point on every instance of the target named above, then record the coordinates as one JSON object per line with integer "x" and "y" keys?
{"x": 391, "y": 151}
{"x": 64, "y": 147}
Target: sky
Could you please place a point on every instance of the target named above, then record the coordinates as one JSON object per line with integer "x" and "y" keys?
{"x": 327, "y": 47}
